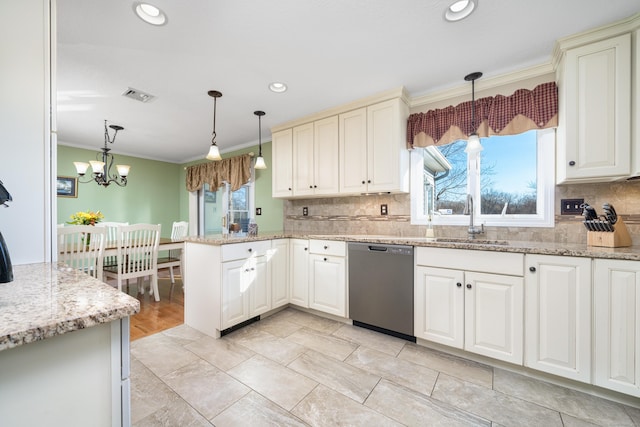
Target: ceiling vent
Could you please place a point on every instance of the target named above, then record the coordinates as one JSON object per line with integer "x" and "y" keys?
{"x": 138, "y": 95}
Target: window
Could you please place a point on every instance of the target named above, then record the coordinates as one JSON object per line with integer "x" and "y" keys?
{"x": 234, "y": 206}
{"x": 511, "y": 182}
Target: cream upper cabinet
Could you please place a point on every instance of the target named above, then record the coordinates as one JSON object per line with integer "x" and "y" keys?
{"x": 594, "y": 132}
{"x": 315, "y": 151}
{"x": 558, "y": 315}
{"x": 617, "y": 325}
{"x": 373, "y": 153}
{"x": 479, "y": 309}
{"x": 282, "y": 159}
{"x": 635, "y": 107}
{"x": 387, "y": 154}
{"x": 353, "y": 152}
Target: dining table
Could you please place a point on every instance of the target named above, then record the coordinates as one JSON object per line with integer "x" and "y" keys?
{"x": 165, "y": 244}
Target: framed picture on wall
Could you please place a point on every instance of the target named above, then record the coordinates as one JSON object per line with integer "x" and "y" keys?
{"x": 67, "y": 186}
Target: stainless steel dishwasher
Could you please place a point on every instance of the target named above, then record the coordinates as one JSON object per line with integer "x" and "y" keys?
{"x": 381, "y": 288}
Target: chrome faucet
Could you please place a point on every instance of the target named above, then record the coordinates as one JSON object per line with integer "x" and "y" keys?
{"x": 468, "y": 210}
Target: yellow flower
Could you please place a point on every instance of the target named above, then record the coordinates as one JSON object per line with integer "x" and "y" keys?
{"x": 86, "y": 218}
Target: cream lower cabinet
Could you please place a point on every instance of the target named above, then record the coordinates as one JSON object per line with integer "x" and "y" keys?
{"x": 279, "y": 262}
{"x": 476, "y": 311}
{"x": 299, "y": 272}
{"x": 617, "y": 325}
{"x": 558, "y": 315}
{"x": 327, "y": 277}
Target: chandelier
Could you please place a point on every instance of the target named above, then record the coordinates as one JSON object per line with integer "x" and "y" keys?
{"x": 101, "y": 167}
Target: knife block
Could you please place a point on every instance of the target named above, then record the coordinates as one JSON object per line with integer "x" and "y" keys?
{"x": 617, "y": 239}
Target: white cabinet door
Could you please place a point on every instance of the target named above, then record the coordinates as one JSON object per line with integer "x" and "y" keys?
{"x": 282, "y": 163}
{"x": 256, "y": 281}
{"x": 494, "y": 316}
{"x": 387, "y": 154}
{"x": 439, "y": 305}
{"x": 279, "y": 263}
{"x": 594, "y": 133}
{"x": 353, "y": 152}
{"x": 235, "y": 303}
{"x": 299, "y": 272}
{"x": 327, "y": 284}
{"x": 558, "y": 315}
{"x": 617, "y": 325}
{"x": 303, "y": 173}
{"x": 325, "y": 156}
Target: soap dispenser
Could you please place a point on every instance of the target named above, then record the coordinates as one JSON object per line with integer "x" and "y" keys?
{"x": 430, "y": 234}
{"x": 6, "y": 270}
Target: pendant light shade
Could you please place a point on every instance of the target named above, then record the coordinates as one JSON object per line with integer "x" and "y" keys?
{"x": 260, "y": 164}
{"x": 214, "y": 152}
{"x": 473, "y": 143}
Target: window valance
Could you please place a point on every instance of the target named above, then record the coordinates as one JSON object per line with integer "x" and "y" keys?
{"x": 235, "y": 170}
{"x": 498, "y": 115}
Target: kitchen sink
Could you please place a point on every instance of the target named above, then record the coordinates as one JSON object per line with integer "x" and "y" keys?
{"x": 471, "y": 241}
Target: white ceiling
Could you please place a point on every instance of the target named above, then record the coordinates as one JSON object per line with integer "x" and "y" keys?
{"x": 329, "y": 52}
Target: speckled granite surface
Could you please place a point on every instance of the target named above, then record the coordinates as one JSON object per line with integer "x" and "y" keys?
{"x": 543, "y": 248}
{"x": 45, "y": 300}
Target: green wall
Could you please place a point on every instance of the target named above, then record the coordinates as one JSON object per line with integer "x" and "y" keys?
{"x": 156, "y": 191}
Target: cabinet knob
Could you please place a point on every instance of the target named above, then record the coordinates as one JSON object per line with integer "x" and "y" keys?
{"x": 363, "y": 182}
{"x": 459, "y": 284}
{"x": 572, "y": 163}
{"x": 246, "y": 270}
{"x": 325, "y": 259}
{"x": 311, "y": 186}
{"x": 532, "y": 269}
{"x": 305, "y": 249}
{"x": 368, "y": 181}
{"x": 289, "y": 188}
{"x": 315, "y": 186}
{"x": 468, "y": 285}
{"x": 250, "y": 250}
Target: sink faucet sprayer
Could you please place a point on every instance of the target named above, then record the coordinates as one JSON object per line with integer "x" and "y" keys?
{"x": 468, "y": 210}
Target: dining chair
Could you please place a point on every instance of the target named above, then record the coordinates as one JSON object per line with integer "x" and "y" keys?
{"x": 82, "y": 247}
{"x": 179, "y": 230}
{"x": 112, "y": 229}
{"x": 137, "y": 256}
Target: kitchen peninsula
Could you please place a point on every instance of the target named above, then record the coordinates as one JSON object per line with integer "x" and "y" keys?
{"x": 64, "y": 349}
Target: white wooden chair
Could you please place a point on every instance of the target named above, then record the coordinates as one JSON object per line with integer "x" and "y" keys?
{"x": 179, "y": 230}
{"x": 112, "y": 231}
{"x": 82, "y": 247}
{"x": 137, "y": 257}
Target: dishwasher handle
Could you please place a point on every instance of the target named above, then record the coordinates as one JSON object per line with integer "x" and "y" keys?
{"x": 378, "y": 248}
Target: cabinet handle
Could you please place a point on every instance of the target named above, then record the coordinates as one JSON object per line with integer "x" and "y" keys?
{"x": 325, "y": 259}
{"x": 305, "y": 249}
{"x": 250, "y": 250}
{"x": 311, "y": 186}
{"x": 459, "y": 284}
{"x": 315, "y": 186}
{"x": 532, "y": 269}
{"x": 289, "y": 188}
{"x": 572, "y": 163}
{"x": 468, "y": 285}
{"x": 368, "y": 181}
{"x": 363, "y": 182}
{"x": 326, "y": 247}
{"x": 246, "y": 270}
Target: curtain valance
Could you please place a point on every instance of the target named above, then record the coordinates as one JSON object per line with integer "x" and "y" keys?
{"x": 235, "y": 170}
{"x": 498, "y": 115}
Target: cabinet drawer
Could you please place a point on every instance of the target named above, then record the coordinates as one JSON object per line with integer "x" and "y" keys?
{"x": 244, "y": 250}
{"x": 328, "y": 247}
{"x": 462, "y": 259}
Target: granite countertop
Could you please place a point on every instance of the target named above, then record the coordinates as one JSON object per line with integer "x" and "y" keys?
{"x": 526, "y": 247}
{"x": 45, "y": 300}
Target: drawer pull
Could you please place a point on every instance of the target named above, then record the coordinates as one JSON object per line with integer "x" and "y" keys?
{"x": 250, "y": 250}
{"x": 326, "y": 247}
{"x": 325, "y": 259}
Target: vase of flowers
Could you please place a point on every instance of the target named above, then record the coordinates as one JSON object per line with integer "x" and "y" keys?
{"x": 86, "y": 218}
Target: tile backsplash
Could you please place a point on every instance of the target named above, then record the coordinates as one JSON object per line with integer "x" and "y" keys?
{"x": 361, "y": 215}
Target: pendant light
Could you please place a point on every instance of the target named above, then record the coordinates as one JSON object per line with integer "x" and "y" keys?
{"x": 473, "y": 143}
{"x": 214, "y": 152}
{"x": 260, "y": 164}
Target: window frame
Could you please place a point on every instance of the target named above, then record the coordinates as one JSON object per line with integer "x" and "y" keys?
{"x": 545, "y": 191}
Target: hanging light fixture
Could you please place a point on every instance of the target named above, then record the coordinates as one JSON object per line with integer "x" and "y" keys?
{"x": 473, "y": 143}
{"x": 101, "y": 168}
{"x": 214, "y": 152}
{"x": 260, "y": 164}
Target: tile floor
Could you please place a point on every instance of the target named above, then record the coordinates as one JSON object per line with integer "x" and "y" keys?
{"x": 294, "y": 368}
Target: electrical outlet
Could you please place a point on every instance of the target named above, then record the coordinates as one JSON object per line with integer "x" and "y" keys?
{"x": 305, "y": 211}
{"x": 258, "y": 211}
{"x": 571, "y": 206}
{"x": 383, "y": 210}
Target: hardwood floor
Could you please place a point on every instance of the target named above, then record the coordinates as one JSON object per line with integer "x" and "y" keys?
{"x": 157, "y": 316}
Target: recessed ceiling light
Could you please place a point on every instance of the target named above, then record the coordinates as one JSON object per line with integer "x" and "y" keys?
{"x": 459, "y": 9}
{"x": 277, "y": 87}
{"x": 149, "y": 13}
